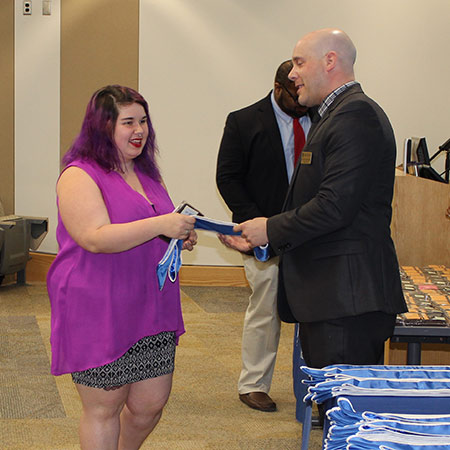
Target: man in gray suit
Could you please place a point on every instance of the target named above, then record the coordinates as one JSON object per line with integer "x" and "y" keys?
{"x": 339, "y": 274}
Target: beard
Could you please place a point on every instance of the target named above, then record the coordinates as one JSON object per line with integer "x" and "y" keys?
{"x": 294, "y": 110}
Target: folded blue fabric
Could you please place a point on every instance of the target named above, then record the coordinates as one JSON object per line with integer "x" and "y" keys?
{"x": 373, "y": 430}
{"x": 378, "y": 386}
{"x": 170, "y": 263}
{"x": 333, "y": 381}
{"x": 395, "y": 440}
{"x": 261, "y": 253}
{"x": 203, "y": 223}
{"x": 377, "y": 372}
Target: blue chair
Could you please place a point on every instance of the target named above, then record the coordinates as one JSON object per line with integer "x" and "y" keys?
{"x": 300, "y": 389}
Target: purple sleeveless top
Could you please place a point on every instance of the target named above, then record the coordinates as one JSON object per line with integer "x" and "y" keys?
{"x": 102, "y": 304}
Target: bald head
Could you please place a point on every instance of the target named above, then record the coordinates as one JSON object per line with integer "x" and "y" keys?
{"x": 323, "y": 60}
{"x": 328, "y": 40}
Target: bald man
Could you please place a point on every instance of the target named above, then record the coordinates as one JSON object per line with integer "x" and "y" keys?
{"x": 339, "y": 276}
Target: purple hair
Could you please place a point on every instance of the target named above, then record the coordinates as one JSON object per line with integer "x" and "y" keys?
{"x": 96, "y": 139}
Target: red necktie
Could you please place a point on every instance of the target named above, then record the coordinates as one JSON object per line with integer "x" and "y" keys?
{"x": 299, "y": 139}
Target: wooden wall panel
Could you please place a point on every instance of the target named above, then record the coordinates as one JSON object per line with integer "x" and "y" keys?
{"x": 7, "y": 108}
{"x": 99, "y": 46}
{"x": 39, "y": 264}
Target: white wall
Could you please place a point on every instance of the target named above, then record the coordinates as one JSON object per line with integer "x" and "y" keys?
{"x": 201, "y": 59}
{"x": 37, "y": 114}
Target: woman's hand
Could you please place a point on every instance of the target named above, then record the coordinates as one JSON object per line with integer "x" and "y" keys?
{"x": 177, "y": 226}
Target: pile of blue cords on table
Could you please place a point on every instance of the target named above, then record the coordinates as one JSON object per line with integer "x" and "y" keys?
{"x": 353, "y": 429}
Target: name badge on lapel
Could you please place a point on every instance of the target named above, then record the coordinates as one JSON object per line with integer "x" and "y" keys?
{"x": 306, "y": 158}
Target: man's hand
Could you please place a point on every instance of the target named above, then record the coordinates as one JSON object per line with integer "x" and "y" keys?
{"x": 190, "y": 241}
{"x": 254, "y": 231}
{"x": 235, "y": 242}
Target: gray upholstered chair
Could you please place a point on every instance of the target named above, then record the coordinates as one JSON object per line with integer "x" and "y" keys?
{"x": 19, "y": 235}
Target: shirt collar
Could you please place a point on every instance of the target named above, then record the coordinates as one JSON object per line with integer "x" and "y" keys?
{"x": 331, "y": 97}
{"x": 278, "y": 111}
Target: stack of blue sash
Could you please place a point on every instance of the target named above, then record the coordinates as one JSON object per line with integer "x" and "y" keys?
{"x": 367, "y": 430}
{"x": 402, "y": 381}
{"x": 394, "y": 390}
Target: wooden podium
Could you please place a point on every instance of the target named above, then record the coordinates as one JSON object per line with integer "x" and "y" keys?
{"x": 420, "y": 228}
{"x": 421, "y": 234}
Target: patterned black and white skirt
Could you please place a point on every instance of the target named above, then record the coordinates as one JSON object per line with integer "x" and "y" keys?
{"x": 150, "y": 357}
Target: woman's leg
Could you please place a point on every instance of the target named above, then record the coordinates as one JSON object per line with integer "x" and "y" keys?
{"x": 100, "y": 423}
{"x": 143, "y": 409}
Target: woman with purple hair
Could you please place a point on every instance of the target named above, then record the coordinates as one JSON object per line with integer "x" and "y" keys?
{"x": 112, "y": 328}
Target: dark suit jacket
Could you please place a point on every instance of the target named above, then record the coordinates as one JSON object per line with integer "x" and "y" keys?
{"x": 251, "y": 167}
{"x": 337, "y": 256}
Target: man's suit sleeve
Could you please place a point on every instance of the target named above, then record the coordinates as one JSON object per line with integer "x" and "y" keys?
{"x": 232, "y": 167}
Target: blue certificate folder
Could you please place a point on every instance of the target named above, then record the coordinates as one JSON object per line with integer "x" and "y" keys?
{"x": 170, "y": 263}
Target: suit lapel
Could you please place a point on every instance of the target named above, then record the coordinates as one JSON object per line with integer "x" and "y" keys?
{"x": 313, "y": 131}
{"x": 270, "y": 125}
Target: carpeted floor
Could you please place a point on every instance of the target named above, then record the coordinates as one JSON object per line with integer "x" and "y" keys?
{"x": 38, "y": 411}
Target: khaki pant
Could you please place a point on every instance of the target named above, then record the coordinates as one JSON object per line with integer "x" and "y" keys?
{"x": 261, "y": 333}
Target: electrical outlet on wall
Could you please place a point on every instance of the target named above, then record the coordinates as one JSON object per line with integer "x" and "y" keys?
{"x": 27, "y": 8}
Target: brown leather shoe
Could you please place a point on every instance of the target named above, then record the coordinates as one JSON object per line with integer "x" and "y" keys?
{"x": 258, "y": 400}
